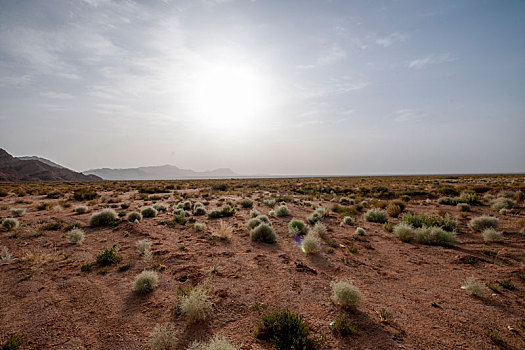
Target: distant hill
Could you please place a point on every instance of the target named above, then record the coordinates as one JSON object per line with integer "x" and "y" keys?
{"x": 43, "y": 160}
{"x": 33, "y": 169}
{"x": 163, "y": 172}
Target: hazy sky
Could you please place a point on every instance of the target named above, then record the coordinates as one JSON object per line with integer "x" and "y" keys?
{"x": 281, "y": 87}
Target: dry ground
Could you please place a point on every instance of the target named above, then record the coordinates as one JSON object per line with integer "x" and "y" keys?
{"x": 45, "y": 295}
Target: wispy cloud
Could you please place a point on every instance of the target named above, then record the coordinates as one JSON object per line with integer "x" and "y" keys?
{"x": 57, "y": 95}
{"x": 391, "y": 39}
{"x": 408, "y": 115}
{"x": 430, "y": 59}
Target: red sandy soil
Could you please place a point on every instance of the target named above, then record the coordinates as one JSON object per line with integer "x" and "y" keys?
{"x": 46, "y": 296}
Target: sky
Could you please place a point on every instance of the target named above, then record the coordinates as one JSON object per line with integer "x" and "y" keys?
{"x": 310, "y": 87}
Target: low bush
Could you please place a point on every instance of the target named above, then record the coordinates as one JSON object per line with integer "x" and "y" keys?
{"x": 163, "y": 337}
{"x": 246, "y": 203}
{"x": 375, "y": 215}
{"x": 463, "y": 207}
{"x": 474, "y": 287}
{"x": 254, "y": 213}
{"x": 159, "y": 207}
{"x": 196, "y": 305}
{"x": 448, "y": 223}
{"x": 311, "y": 243}
{"x": 286, "y": 330}
{"x": 281, "y": 210}
{"x": 106, "y": 217}
{"x": 297, "y": 227}
{"x": 360, "y": 231}
{"x": 502, "y": 203}
{"x": 149, "y": 212}
{"x": 346, "y": 294}
{"x": 146, "y": 282}
{"x": 404, "y": 231}
{"x": 483, "y": 222}
{"x": 491, "y": 235}
{"x": 18, "y": 212}
{"x": 75, "y": 236}
{"x": 434, "y": 236}
{"x": 81, "y": 209}
{"x": 346, "y": 201}
{"x": 252, "y": 223}
{"x": 134, "y": 216}
{"x": 109, "y": 256}
{"x": 263, "y": 233}
{"x": 348, "y": 220}
{"x": 10, "y": 224}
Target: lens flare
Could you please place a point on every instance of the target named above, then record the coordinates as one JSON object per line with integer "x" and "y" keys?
{"x": 299, "y": 242}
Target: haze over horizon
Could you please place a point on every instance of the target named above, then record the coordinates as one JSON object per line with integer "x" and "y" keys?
{"x": 302, "y": 87}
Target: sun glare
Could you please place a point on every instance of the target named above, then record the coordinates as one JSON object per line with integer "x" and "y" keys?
{"x": 228, "y": 97}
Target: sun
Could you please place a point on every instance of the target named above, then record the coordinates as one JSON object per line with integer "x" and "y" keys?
{"x": 227, "y": 97}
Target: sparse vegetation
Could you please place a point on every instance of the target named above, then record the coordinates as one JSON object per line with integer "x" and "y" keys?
{"x": 76, "y": 236}
{"x": 146, "y": 282}
{"x": 483, "y": 222}
{"x": 282, "y": 210}
{"x": 311, "y": 243}
{"x": 474, "y": 287}
{"x": 196, "y": 305}
{"x": 81, "y": 209}
{"x": 376, "y": 215}
{"x": 163, "y": 337}
{"x": 10, "y": 224}
{"x": 18, "y": 212}
{"x": 286, "y": 330}
{"x": 149, "y": 212}
{"x": 348, "y": 220}
{"x": 223, "y": 231}
{"x": 109, "y": 256}
{"x": 492, "y": 235}
{"x": 263, "y": 233}
{"x": 106, "y": 217}
{"x": 297, "y": 227}
{"x": 346, "y": 294}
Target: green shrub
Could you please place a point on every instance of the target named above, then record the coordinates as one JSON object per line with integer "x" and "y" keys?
{"x": 263, "y": 233}
{"x": 225, "y": 211}
{"x": 388, "y": 226}
{"x": 163, "y": 337}
{"x": 83, "y": 194}
{"x": 10, "y": 224}
{"x": 109, "y": 256}
{"x": 18, "y": 212}
{"x": 297, "y": 227}
{"x": 254, "y": 213}
{"x": 375, "y": 215}
{"x": 76, "y": 236}
{"x": 149, "y": 212}
{"x": 447, "y": 201}
{"x": 404, "y": 231}
{"x": 346, "y": 294}
{"x": 124, "y": 205}
{"x": 282, "y": 210}
{"x": 483, "y": 222}
{"x": 246, "y": 203}
{"x": 360, "y": 231}
{"x": 286, "y": 330}
{"x": 106, "y": 217}
{"x": 434, "y": 236}
{"x": 348, "y": 220}
{"x": 448, "y": 223}
{"x": 199, "y": 226}
{"x": 317, "y": 215}
{"x": 264, "y": 219}
{"x": 159, "y": 207}
{"x": 346, "y": 201}
{"x": 14, "y": 342}
{"x": 196, "y": 305}
{"x": 146, "y": 282}
{"x": 252, "y": 223}
{"x": 134, "y": 216}
{"x": 342, "y": 327}
{"x": 198, "y": 209}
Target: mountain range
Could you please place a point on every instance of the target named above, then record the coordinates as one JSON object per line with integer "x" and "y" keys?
{"x": 163, "y": 172}
{"x": 34, "y": 168}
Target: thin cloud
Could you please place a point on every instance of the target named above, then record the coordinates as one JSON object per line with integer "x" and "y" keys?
{"x": 57, "y": 95}
{"x": 430, "y": 59}
{"x": 408, "y": 115}
{"x": 391, "y": 39}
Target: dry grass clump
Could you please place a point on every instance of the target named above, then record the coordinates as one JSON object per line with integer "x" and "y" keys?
{"x": 346, "y": 294}
{"x": 18, "y": 212}
{"x": 223, "y": 231}
{"x": 144, "y": 247}
{"x": 149, "y": 212}
{"x": 463, "y": 207}
{"x": 492, "y": 235}
{"x": 474, "y": 287}
{"x": 5, "y": 256}
{"x": 160, "y": 207}
{"x": 196, "y": 306}
{"x": 104, "y": 218}
{"x": 346, "y": 201}
{"x": 502, "y": 203}
{"x": 311, "y": 243}
{"x": 483, "y": 222}
{"x": 81, "y": 209}
{"x": 199, "y": 226}
{"x": 319, "y": 229}
{"x": 146, "y": 282}
{"x": 263, "y": 233}
{"x": 217, "y": 343}
{"x": 376, "y": 215}
{"x": 76, "y": 236}
{"x": 404, "y": 231}
{"x": 10, "y": 224}
{"x": 163, "y": 337}
{"x": 434, "y": 236}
